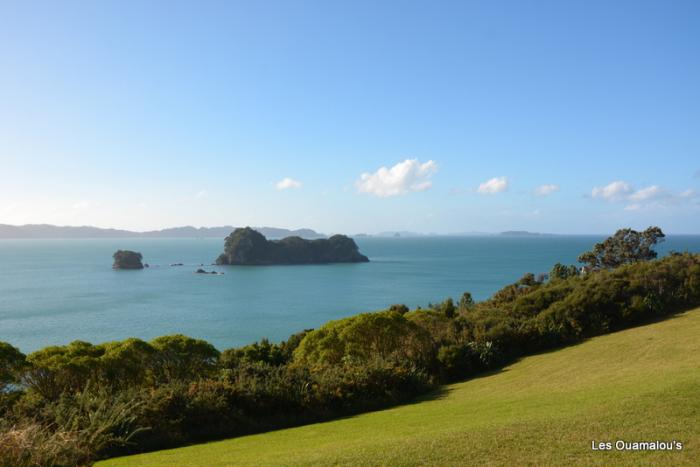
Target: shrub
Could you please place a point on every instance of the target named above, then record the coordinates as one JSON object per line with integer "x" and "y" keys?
{"x": 386, "y": 334}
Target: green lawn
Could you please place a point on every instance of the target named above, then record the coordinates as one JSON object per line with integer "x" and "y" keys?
{"x": 642, "y": 384}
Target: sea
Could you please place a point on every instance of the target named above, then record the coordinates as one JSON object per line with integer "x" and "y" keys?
{"x": 53, "y": 292}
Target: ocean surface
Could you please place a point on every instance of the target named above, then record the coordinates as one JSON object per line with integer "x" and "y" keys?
{"x": 55, "y": 291}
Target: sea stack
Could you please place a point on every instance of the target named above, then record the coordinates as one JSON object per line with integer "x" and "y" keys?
{"x": 127, "y": 259}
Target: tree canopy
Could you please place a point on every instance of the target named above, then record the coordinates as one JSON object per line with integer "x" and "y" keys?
{"x": 11, "y": 360}
{"x": 626, "y": 246}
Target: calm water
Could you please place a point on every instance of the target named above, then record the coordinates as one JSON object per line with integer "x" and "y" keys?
{"x": 56, "y": 291}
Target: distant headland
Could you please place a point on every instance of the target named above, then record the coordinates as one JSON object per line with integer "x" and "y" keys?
{"x": 247, "y": 246}
{"x": 522, "y": 233}
{"x": 54, "y": 231}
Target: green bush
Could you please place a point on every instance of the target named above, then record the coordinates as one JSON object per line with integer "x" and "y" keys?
{"x": 360, "y": 338}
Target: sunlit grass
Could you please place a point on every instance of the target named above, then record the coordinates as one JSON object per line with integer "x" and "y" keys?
{"x": 642, "y": 384}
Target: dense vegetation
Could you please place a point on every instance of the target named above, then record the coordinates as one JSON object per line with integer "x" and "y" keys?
{"x": 246, "y": 246}
{"x": 127, "y": 259}
{"x": 542, "y": 410}
{"x": 71, "y": 404}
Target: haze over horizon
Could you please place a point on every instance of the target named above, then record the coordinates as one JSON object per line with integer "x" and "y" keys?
{"x": 570, "y": 118}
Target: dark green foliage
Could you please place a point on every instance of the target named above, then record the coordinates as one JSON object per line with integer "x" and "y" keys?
{"x": 11, "y": 362}
{"x": 249, "y": 247}
{"x": 262, "y": 352}
{"x": 458, "y": 361}
{"x": 126, "y": 259}
{"x": 258, "y": 397}
{"x": 57, "y": 369}
{"x": 400, "y": 308}
{"x": 183, "y": 358}
{"x": 386, "y": 334}
{"x": 74, "y": 430}
{"x": 466, "y": 302}
{"x": 562, "y": 272}
{"x": 626, "y": 246}
{"x": 447, "y": 308}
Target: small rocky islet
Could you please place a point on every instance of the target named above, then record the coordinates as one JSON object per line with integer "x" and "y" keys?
{"x": 127, "y": 259}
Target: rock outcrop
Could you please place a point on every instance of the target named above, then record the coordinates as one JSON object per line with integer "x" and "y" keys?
{"x": 246, "y": 246}
{"x": 127, "y": 259}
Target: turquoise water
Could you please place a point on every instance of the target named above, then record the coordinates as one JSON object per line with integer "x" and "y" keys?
{"x": 56, "y": 291}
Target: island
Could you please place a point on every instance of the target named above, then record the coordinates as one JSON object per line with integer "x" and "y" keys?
{"x": 246, "y": 246}
{"x": 127, "y": 259}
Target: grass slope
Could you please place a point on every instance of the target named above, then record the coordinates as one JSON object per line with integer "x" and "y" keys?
{"x": 641, "y": 384}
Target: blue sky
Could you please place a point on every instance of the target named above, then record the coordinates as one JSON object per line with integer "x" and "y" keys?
{"x": 565, "y": 117}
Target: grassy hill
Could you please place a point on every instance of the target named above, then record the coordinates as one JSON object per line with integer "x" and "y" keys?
{"x": 641, "y": 384}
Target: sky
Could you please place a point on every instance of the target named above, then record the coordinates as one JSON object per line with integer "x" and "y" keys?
{"x": 362, "y": 116}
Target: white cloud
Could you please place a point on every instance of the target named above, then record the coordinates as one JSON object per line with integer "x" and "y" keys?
{"x": 614, "y": 191}
{"x": 548, "y": 189}
{"x": 493, "y": 186}
{"x": 201, "y": 194}
{"x": 404, "y": 177}
{"x": 287, "y": 183}
{"x": 650, "y": 196}
{"x": 649, "y": 193}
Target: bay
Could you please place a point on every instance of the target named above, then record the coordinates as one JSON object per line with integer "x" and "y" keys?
{"x": 55, "y": 291}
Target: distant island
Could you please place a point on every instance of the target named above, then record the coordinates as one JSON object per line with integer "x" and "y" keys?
{"x": 247, "y": 246}
{"x": 521, "y": 233}
{"x": 53, "y": 231}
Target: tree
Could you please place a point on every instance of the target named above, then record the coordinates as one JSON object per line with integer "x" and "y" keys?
{"x": 56, "y": 369}
{"x": 400, "y": 308}
{"x": 626, "y": 246}
{"x": 561, "y": 272}
{"x": 447, "y": 308}
{"x": 182, "y": 357}
{"x": 11, "y": 361}
{"x": 528, "y": 280}
{"x": 361, "y": 338}
{"x": 466, "y": 302}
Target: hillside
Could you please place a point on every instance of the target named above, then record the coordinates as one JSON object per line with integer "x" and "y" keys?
{"x": 641, "y": 384}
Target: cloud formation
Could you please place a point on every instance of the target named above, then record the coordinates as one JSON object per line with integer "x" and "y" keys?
{"x": 493, "y": 186}
{"x": 545, "y": 190}
{"x": 614, "y": 191}
{"x": 652, "y": 195}
{"x": 653, "y": 192}
{"x": 404, "y": 177}
{"x": 287, "y": 183}
{"x": 201, "y": 194}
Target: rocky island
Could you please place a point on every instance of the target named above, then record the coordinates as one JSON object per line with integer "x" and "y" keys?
{"x": 246, "y": 246}
{"x": 127, "y": 259}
